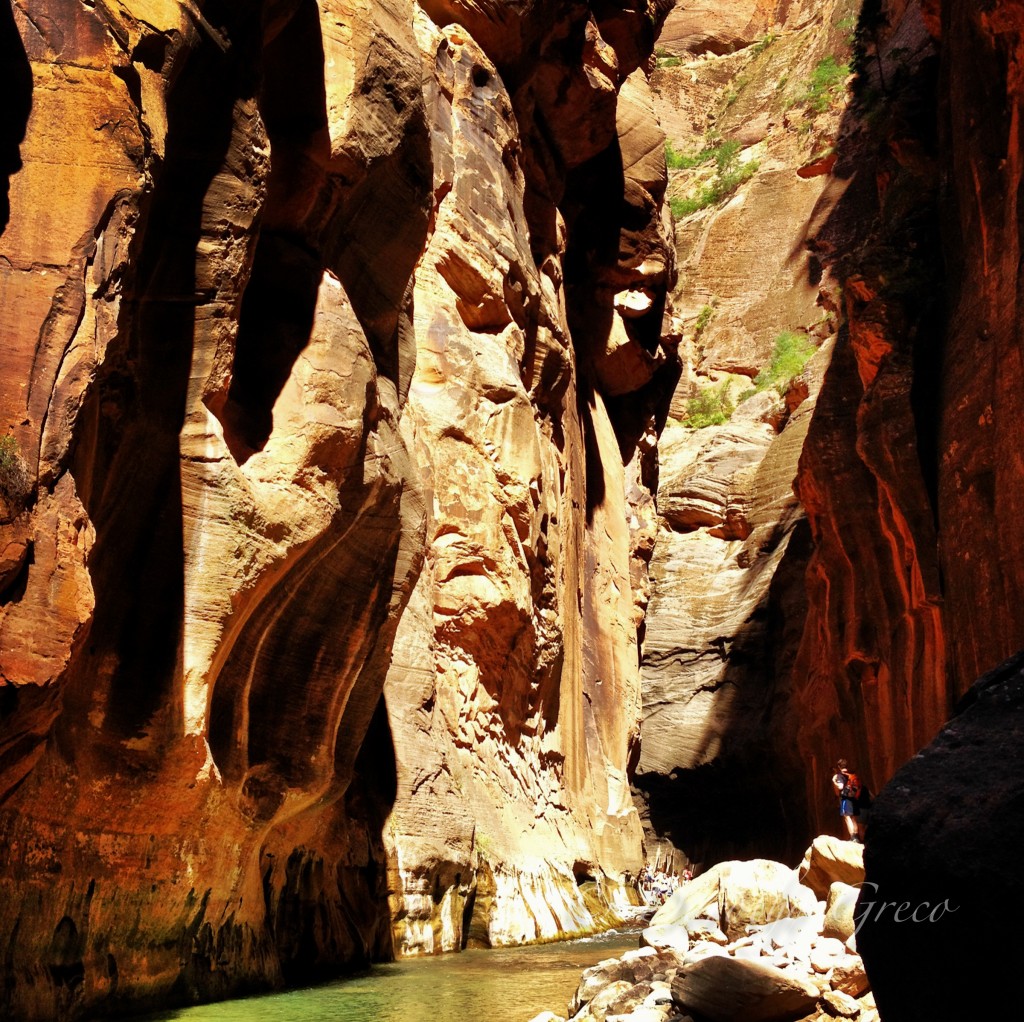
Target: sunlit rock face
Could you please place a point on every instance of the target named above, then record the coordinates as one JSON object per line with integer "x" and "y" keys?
{"x": 332, "y": 356}
{"x": 719, "y": 774}
{"x": 219, "y": 523}
{"x": 514, "y": 694}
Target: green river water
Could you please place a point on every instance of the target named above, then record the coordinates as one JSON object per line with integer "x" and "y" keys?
{"x": 500, "y": 985}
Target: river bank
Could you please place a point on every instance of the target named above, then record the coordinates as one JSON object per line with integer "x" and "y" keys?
{"x": 748, "y": 940}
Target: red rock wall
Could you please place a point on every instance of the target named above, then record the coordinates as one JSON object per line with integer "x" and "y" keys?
{"x": 981, "y": 465}
{"x": 912, "y": 473}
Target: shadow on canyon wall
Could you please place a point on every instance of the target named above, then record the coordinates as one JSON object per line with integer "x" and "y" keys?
{"x": 748, "y": 800}
{"x": 16, "y": 90}
{"x": 870, "y": 672}
{"x": 127, "y": 455}
{"x": 278, "y": 723}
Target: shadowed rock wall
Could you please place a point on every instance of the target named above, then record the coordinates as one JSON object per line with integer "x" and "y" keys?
{"x": 912, "y": 465}
{"x": 946, "y": 827}
{"x": 903, "y": 585}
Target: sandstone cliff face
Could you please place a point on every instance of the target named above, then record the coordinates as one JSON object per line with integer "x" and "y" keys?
{"x": 870, "y": 670}
{"x": 321, "y": 326}
{"x": 718, "y": 774}
{"x": 904, "y": 586}
{"x": 514, "y": 693}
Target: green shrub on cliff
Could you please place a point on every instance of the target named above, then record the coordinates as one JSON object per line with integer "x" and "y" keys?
{"x": 711, "y": 407}
{"x": 720, "y": 187}
{"x": 12, "y": 469}
{"x": 665, "y": 59}
{"x": 703, "y": 318}
{"x": 825, "y": 84}
{"x": 789, "y": 356}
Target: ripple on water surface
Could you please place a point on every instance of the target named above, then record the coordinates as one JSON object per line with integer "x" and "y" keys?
{"x": 503, "y": 985}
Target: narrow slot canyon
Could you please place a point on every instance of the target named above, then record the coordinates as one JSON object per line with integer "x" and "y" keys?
{"x": 461, "y": 460}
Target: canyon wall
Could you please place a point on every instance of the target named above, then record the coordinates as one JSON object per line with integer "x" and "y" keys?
{"x": 355, "y": 521}
{"x": 719, "y": 774}
{"x": 332, "y": 380}
{"x": 896, "y": 582}
{"x": 911, "y": 473}
{"x": 514, "y": 695}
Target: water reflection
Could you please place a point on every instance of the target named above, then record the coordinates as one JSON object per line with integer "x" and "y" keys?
{"x": 504, "y": 985}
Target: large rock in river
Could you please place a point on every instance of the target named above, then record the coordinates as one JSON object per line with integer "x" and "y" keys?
{"x": 724, "y": 989}
{"x": 736, "y": 895}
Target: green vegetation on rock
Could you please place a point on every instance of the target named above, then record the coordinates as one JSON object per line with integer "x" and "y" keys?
{"x": 711, "y": 407}
{"x": 825, "y": 84}
{"x": 789, "y": 356}
{"x": 666, "y": 59}
{"x": 729, "y": 175}
{"x": 703, "y": 318}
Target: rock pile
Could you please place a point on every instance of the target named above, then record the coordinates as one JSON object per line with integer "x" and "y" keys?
{"x": 746, "y": 942}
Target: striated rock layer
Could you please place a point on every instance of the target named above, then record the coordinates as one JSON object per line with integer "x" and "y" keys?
{"x": 311, "y": 318}
{"x": 911, "y": 471}
{"x": 902, "y": 587}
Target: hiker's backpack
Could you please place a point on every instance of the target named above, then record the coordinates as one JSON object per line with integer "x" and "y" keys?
{"x": 852, "y": 788}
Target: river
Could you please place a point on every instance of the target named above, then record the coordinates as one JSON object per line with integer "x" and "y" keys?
{"x": 499, "y": 985}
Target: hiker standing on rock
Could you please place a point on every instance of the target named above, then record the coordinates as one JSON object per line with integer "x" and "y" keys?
{"x": 847, "y": 786}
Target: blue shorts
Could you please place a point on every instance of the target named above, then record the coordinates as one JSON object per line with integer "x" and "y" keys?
{"x": 847, "y": 807}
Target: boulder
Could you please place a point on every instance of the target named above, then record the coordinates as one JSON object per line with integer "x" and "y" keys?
{"x": 839, "y": 1005}
{"x": 675, "y": 937}
{"x": 944, "y": 887}
{"x": 829, "y": 859}
{"x": 705, "y": 929}
{"x": 702, "y": 951}
{"x": 629, "y": 1000}
{"x": 743, "y": 894}
{"x": 725, "y": 989}
{"x": 693, "y": 900}
{"x": 826, "y": 954}
{"x": 849, "y": 977}
{"x": 600, "y": 1007}
{"x": 839, "y": 912}
{"x": 797, "y": 932}
{"x": 634, "y": 967}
